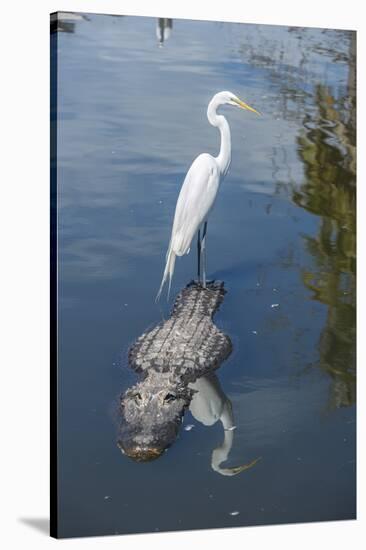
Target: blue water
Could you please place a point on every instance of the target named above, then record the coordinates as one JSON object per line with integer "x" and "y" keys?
{"x": 131, "y": 118}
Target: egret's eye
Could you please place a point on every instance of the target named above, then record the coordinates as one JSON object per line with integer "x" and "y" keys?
{"x": 169, "y": 397}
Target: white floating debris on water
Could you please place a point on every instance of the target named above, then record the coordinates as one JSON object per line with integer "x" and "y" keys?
{"x": 231, "y": 429}
{"x": 188, "y": 427}
{"x": 258, "y": 284}
{"x": 254, "y": 332}
{"x": 160, "y": 202}
{"x": 274, "y": 305}
{"x": 234, "y": 513}
{"x": 274, "y": 289}
{"x": 107, "y": 497}
{"x": 125, "y": 305}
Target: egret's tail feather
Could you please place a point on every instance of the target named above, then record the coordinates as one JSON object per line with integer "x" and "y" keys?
{"x": 168, "y": 271}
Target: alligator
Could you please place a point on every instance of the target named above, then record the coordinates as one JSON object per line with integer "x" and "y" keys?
{"x": 170, "y": 357}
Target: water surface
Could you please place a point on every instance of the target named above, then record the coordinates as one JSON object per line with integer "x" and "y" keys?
{"x": 131, "y": 118}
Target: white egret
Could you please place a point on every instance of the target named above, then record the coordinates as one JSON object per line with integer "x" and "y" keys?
{"x": 199, "y": 191}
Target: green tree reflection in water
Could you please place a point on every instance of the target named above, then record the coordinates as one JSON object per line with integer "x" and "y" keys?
{"x": 327, "y": 149}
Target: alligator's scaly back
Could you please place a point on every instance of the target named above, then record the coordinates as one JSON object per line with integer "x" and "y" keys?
{"x": 187, "y": 344}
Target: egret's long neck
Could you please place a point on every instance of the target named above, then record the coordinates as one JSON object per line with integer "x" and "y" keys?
{"x": 224, "y": 157}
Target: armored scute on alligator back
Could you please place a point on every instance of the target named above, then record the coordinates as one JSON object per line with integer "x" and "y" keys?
{"x": 169, "y": 357}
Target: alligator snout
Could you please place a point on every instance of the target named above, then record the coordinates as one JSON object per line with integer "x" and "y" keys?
{"x": 144, "y": 445}
{"x": 141, "y": 454}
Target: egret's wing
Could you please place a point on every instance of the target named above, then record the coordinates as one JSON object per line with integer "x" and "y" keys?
{"x": 195, "y": 201}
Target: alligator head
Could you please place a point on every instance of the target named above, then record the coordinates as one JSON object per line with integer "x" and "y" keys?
{"x": 151, "y": 414}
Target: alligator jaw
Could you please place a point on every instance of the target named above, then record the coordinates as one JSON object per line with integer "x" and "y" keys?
{"x": 141, "y": 454}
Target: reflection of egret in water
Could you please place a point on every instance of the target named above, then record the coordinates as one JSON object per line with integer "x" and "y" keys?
{"x": 210, "y": 405}
{"x": 207, "y": 403}
{"x": 163, "y": 30}
{"x": 327, "y": 149}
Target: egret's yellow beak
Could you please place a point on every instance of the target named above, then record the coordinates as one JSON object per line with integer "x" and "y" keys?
{"x": 245, "y": 106}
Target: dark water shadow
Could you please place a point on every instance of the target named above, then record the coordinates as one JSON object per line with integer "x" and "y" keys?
{"x": 40, "y": 524}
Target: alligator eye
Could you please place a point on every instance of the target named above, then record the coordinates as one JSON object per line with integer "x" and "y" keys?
{"x": 137, "y": 397}
{"x": 169, "y": 397}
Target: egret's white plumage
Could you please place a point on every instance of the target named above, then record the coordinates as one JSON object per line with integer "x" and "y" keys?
{"x": 200, "y": 187}
{"x": 195, "y": 201}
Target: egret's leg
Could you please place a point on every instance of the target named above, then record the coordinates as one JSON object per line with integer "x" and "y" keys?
{"x": 203, "y": 250}
{"x": 199, "y": 255}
